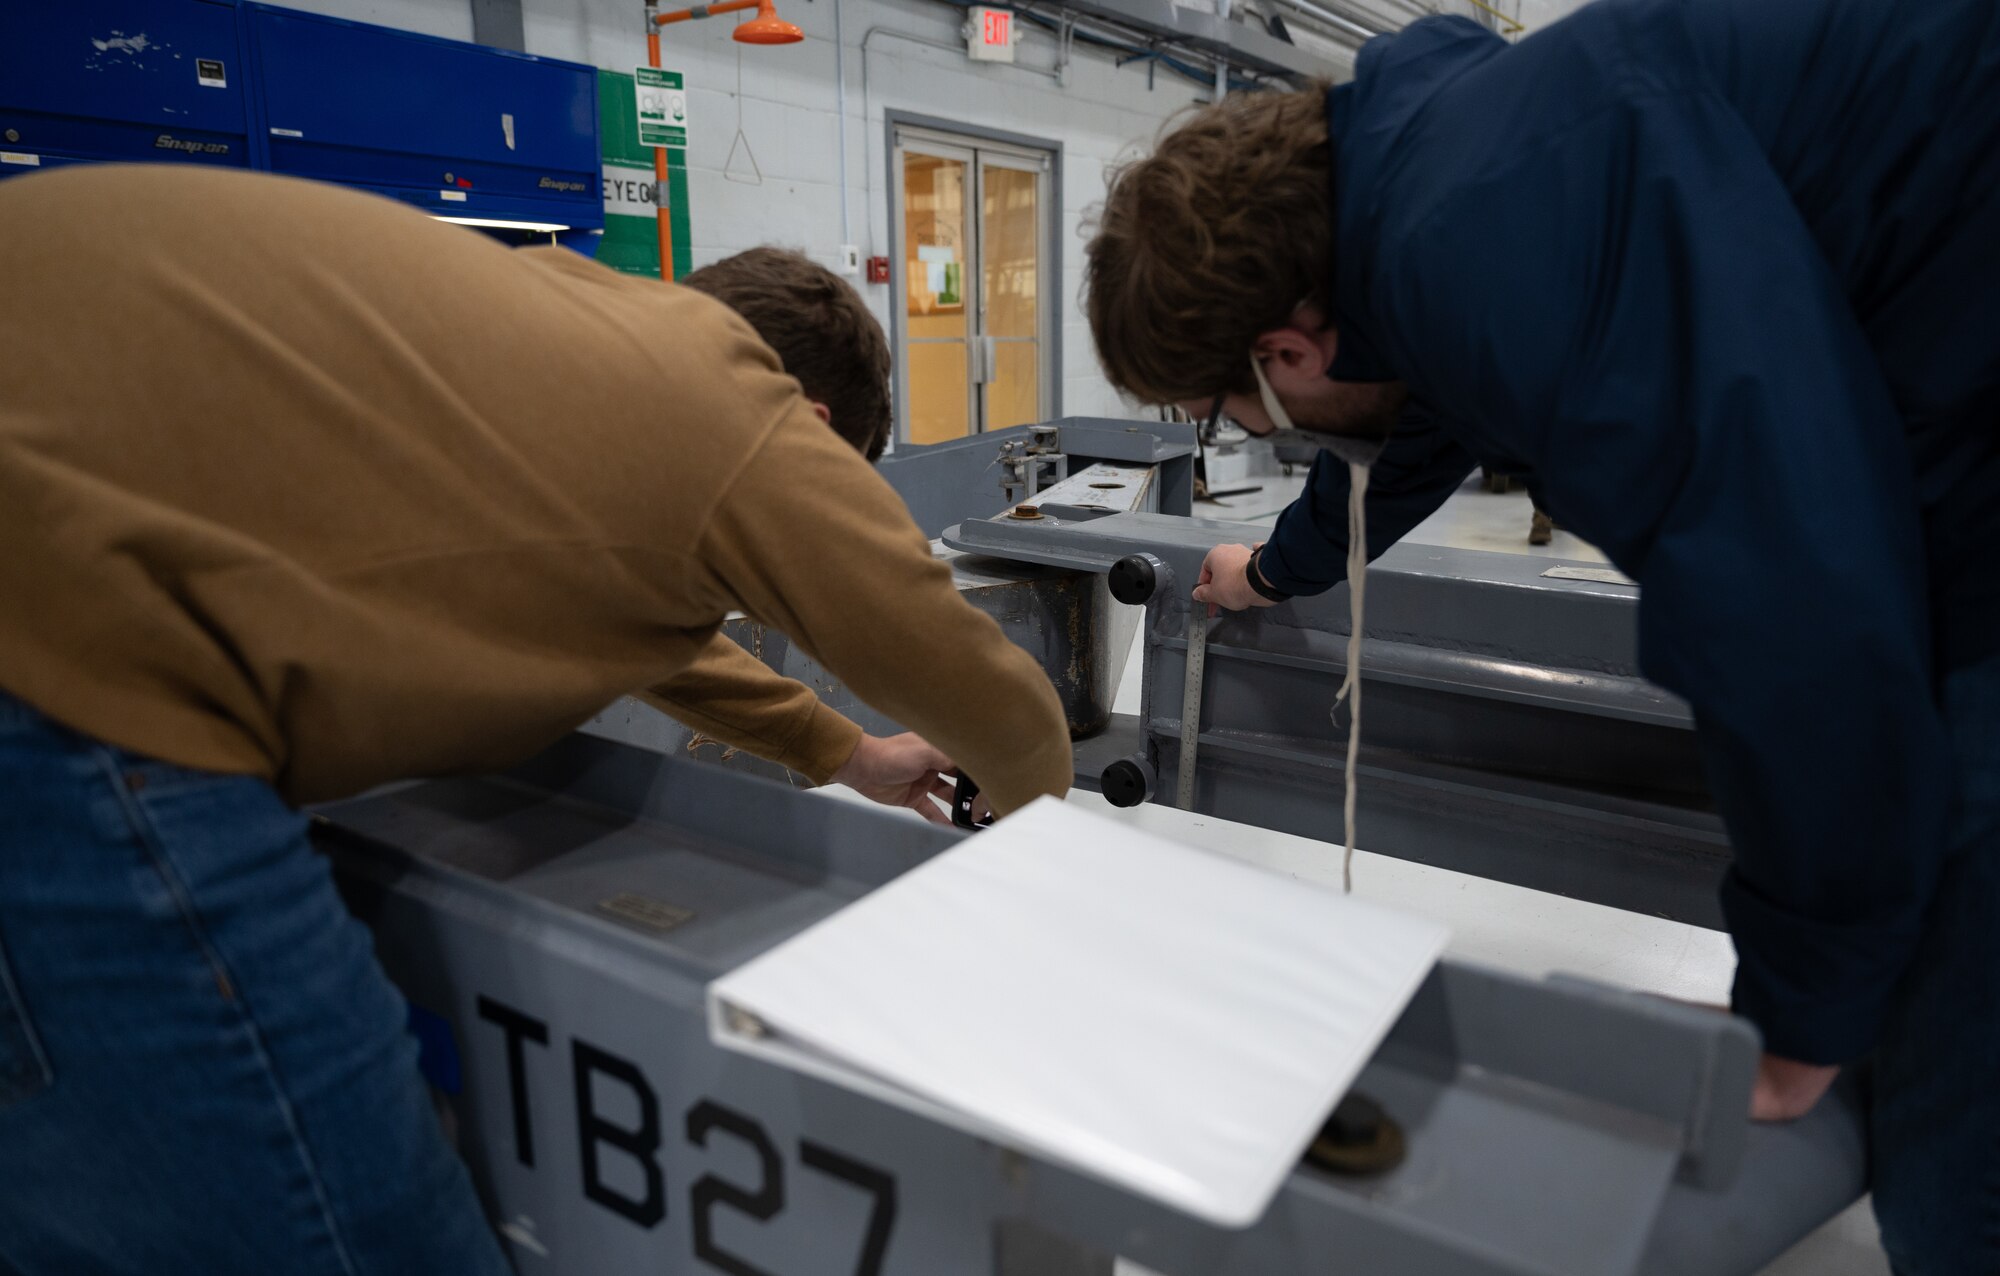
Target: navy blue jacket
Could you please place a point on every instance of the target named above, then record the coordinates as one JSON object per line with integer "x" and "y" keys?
{"x": 1725, "y": 277}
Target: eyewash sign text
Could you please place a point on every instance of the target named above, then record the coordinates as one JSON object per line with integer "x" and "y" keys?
{"x": 663, "y": 108}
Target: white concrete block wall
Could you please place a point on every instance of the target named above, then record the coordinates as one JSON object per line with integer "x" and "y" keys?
{"x": 791, "y": 122}
{"x": 452, "y": 21}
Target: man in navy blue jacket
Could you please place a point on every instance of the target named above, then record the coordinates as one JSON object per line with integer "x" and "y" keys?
{"x": 1725, "y": 277}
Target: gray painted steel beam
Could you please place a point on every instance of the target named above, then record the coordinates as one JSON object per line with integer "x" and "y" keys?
{"x": 1242, "y": 43}
{"x": 1507, "y": 731}
{"x": 945, "y": 483}
{"x": 555, "y": 928}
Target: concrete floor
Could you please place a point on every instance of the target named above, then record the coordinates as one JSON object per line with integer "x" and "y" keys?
{"x": 1510, "y": 927}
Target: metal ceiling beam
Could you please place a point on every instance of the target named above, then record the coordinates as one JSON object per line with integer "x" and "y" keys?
{"x": 1243, "y": 44}
{"x": 1341, "y": 22}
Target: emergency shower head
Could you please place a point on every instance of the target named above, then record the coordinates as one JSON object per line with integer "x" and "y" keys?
{"x": 767, "y": 28}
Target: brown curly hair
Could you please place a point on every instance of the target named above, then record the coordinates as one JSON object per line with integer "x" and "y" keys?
{"x": 821, "y": 330}
{"x": 1209, "y": 241}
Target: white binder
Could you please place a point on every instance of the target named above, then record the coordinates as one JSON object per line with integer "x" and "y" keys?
{"x": 1161, "y": 1017}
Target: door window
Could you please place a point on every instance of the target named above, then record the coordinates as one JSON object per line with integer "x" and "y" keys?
{"x": 973, "y": 225}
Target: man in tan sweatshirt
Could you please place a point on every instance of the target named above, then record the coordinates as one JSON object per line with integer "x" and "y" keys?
{"x": 826, "y": 339}
{"x": 300, "y": 492}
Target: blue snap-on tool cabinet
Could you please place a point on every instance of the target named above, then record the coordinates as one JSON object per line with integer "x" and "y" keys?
{"x": 497, "y": 139}
{"x": 95, "y": 81}
{"x": 457, "y": 129}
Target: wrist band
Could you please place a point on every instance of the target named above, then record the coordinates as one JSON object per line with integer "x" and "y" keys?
{"x": 1256, "y": 579}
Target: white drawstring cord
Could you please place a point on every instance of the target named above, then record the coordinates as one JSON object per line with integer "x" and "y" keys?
{"x": 1350, "y": 687}
{"x": 1357, "y": 580}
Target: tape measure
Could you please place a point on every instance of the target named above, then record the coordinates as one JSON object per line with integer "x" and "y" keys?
{"x": 1197, "y": 660}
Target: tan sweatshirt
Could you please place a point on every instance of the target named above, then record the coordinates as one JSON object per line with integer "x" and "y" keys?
{"x": 299, "y": 483}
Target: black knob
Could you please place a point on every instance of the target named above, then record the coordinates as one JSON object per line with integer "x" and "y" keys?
{"x": 1126, "y": 782}
{"x": 1133, "y": 580}
{"x": 1357, "y": 1122}
{"x": 1359, "y": 1138}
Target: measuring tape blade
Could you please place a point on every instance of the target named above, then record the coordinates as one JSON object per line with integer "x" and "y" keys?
{"x": 1197, "y": 658}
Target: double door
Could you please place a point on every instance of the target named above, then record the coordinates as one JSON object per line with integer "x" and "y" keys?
{"x": 974, "y": 228}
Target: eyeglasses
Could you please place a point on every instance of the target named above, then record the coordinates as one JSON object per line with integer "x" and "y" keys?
{"x": 1216, "y": 417}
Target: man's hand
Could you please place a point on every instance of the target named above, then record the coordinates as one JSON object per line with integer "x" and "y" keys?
{"x": 1223, "y": 584}
{"x": 900, "y": 770}
{"x": 1787, "y": 1089}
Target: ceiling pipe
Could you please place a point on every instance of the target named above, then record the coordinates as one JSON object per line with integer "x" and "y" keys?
{"x": 1222, "y": 64}
{"x": 1339, "y": 22}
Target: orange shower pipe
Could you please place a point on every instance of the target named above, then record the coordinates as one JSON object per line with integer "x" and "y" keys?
{"x": 766, "y": 28}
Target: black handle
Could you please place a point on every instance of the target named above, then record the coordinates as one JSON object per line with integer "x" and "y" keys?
{"x": 1127, "y": 782}
{"x": 961, "y": 804}
{"x": 1133, "y": 580}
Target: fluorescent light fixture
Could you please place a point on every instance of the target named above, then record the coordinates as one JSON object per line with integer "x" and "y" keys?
{"x": 496, "y": 223}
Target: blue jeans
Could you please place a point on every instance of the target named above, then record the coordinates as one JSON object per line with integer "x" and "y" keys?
{"x": 202, "y": 1067}
{"x": 1935, "y": 1112}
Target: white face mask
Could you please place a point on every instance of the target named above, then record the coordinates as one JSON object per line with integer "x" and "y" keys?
{"x": 1354, "y": 451}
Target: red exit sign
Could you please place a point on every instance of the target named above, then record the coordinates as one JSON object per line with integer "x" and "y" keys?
{"x": 990, "y": 35}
